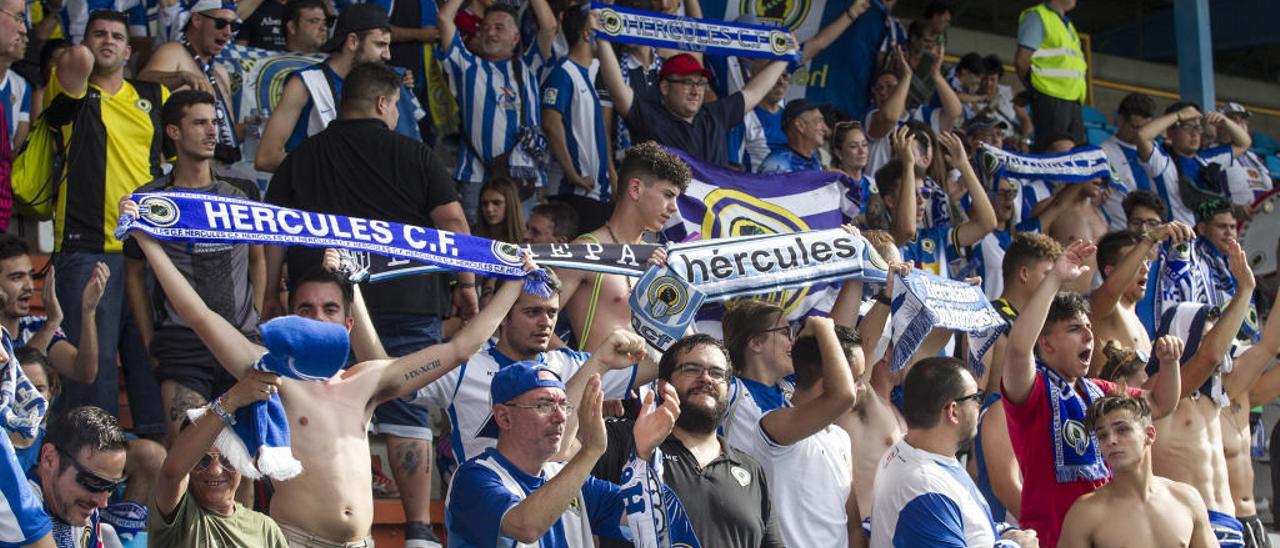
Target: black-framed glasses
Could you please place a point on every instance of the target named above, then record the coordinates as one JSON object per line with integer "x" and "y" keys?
{"x": 545, "y": 408}
{"x": 1144, "y": 224}
{"x": 93, "y": 483}
{"x": 690, "y": 82}
{"x": 223, "y": 23}
{"x": 207, "y": 460}
{"x": 785, "y": 330}
{"x": 693, "y": 370}
{"x": 976, "y": 397}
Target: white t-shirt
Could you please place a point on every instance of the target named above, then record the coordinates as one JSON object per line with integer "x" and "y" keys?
{"x": 464, "y": 392}
{"x": 810, "y": 481}
{"x": 926, "y": 499}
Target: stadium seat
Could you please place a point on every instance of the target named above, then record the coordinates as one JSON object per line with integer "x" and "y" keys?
{"x": 1096, "y": 135}
{"x": 1263, "y": 144}
{"x": 1094, "y": 118}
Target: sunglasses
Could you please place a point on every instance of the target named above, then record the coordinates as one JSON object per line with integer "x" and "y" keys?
{"x": 223, "y": 23}
{"x": 91, "y": 482}
{"x": 976, "y": 397}
{"x": 207, "y": 460}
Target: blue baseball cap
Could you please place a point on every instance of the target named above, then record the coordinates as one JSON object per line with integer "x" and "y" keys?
{"x": 512, "y": 381}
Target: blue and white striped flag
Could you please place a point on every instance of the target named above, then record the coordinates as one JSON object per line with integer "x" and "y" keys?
{"x": 923, "y": 302}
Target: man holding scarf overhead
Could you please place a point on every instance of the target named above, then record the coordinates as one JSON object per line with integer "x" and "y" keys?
{"x": 1046, "y": 395}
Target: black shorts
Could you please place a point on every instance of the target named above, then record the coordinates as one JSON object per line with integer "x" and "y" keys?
{"x": 182, "y": 357}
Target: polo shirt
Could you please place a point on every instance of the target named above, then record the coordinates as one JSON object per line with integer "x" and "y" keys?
{"x": 1127, "y": 174}
{"x": 1164, "y": 170}
{"x": 361, "y": 168}
{"x": 463, "y": 392}
{"x": 704, "y": 139}
{"x": 570, "y": 90}
{"x": 479, "y": 498}
{"x": 819, "y": 477}
{"x": 728, "y": 501}
{"x": 1045, "y": 501}
{"x": 787, "y": 160}
{"x": 927, "y": 499}
{"x": 15, "y": 96}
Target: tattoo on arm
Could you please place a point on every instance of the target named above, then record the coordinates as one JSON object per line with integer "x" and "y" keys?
{"x": 418, "y": 372}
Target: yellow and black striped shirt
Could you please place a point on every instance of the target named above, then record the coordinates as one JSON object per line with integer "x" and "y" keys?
{"x": 113, "y": 144}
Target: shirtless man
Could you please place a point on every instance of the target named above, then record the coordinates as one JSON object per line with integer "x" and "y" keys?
{"x": 1189, "y": 448}
{"x": 1246, "y": 389}
{"x": 649, "y": 180}
{"x": 1079, "y": 217}
{"x": 328, "y": 419}
{"x": 1136, "y": 508}
{"x": 1124, "y": 260}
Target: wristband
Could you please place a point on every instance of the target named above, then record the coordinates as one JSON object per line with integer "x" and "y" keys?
{"x": 849, "y": 12}
{"x": 883, "y": 299}
{"x": 221, "y": 412}
{"x": 464, "y": 285}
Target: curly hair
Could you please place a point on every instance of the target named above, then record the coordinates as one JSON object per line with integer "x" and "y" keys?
{"x": 651, "y": 163}
{"x": 1028, "y": 248}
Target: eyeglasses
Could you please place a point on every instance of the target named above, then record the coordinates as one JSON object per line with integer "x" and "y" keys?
{"x": 1006, "y": 193}
{"x": 690, "y": 82}
{"x": 785, "y": 330}
{"x": 223, "y": 23}
{"x": 545, "y": 408}
{"x": 93, "y": 483}
{"x": 1191, "y": 127}
{"x": 976, "y": 397}
{"x": 16, "y": 17}
{"x": 1145, "y": 224}
{"x": 693, "y": 370}
{"x": 207, "y": 460}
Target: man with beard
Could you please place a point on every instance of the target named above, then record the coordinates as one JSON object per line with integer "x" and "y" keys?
{"x": 191, "y": 63}
{"x": 723, "y": 490}
{"x": 1046, "y": 358}
{"x": 923, "y": 496}
{"x": 1157, "y": 511}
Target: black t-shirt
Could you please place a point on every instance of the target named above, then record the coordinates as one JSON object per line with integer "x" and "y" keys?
{"x": 265, "y": 27}
{"x": 359, "y": 168}
{"x": 727, "y": 502}
{"x": 407, "y": 14}
{"x": 705, "y": 139}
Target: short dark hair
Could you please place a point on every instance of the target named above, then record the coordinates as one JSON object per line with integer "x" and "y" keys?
{"x": 31, "y": 356}
{"x": 176, "y": 107}
{"x": 293, "y": 10}
{"x": 1181, "y": 105}
{"x": 1110, "y": 247}
{"x": 972, "y": 62}
{"x": 1101, "y": 407}
{"x": 745, "y": 320}
{"x": 937, "y": 7}
{"x": 12, "y": 246}
{"x": 889, "y": 177}
{"x": 564, "y": 219}
{"x": 992, "y": 64}
{"x": 321, "y": 276}
{"x": 1137, "y": 104}
{"x": 106, "y": 15}
{"x": 930, "y": 385}
{"x": 667, "y": 365}
{"x": 573, "y": 23}
{"x": 1208, "y": 209}
{"x": 1066, "y": 306}
{"x": 1143, "y": 198}
{"x": 806, "y": 357}
{"x": 85, "y": 427}
{"x": 651, "y": 163}
{"x": 368, "y": 81}
{"x": 500, "y": 7}
{"x": 1026, "y": 249}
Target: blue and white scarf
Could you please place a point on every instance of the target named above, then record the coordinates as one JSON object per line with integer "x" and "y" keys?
{"x": 1075, "y": 450}
{"x": 923, "y": 302}
{"x": 1077, "y": 166}
{"x": 298, "y": 348}
{"x": 655, "y": 515}
{"x": 1181, "y": 278}
{"x": 1186, "y": 321}
{"x": 22, "y": 408}
{"x": 192, "y": 217}
{"x": 647, "y": 28}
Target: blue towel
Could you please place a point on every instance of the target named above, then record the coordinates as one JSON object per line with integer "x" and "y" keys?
{"x": 297, "y": 348}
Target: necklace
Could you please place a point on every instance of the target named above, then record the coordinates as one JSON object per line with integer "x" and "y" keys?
{"x": 615, "y": 239}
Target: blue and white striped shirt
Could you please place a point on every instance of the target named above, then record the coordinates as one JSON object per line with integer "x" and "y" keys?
{"x": 570, "y": 90}
{"x": 489, "y": 103}
{"x": 15, "y": 94}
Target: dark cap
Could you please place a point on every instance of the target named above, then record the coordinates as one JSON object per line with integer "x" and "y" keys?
{"x": 797, "y": 107}
{"x": 1236, "y": 108}
{"x": 512, "y": 381}
{"x": 356, "y": 18}
{"x": 983, "y": 122}
{"x": 680, "y": 65}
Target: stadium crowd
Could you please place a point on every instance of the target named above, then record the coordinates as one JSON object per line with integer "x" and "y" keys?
{"x": 1098, "y": 419}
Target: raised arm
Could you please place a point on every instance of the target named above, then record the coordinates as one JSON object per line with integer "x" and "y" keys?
{"x": 1148, "y": 133}
{"x": 1244, "y": 375}
{"x": 620, "y": 350}
{"x": 760, "y": 84}
{"x": 833, "y": 30}
{"x": 466, "y": 302}
{"x": 982, "y": 217}
{"x": 1103, "y": 300}
{"x": 904, "y": 225}
{"x": 444, "y": 22}
{"x": 235, "y": 352}
{"x": 895, "y": 106}
{"x": 1240, "y": 139}
{"x": 1020, "y": 366}
{"x": 952, "y": 108}
{"x": 547, "y": 26}
{"x": 73, "y": 66}
{"x": 166, "y": 66}
{"x": 1164, "y": 390}
{"x": 788, "y": 425}
{"x": 1217, "y": 342}
{"x": 190, "y": 446}
{"x": 611, "y": 72}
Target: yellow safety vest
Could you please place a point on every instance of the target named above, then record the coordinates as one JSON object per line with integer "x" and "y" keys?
{"x": 1057, "y": 66}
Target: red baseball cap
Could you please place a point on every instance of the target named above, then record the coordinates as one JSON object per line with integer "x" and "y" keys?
{"x": 682, "y": 64}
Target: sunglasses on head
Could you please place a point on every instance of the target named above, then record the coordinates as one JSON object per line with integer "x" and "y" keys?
{"x": 91, "y": 482}
{"x": 223, "y": 23}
